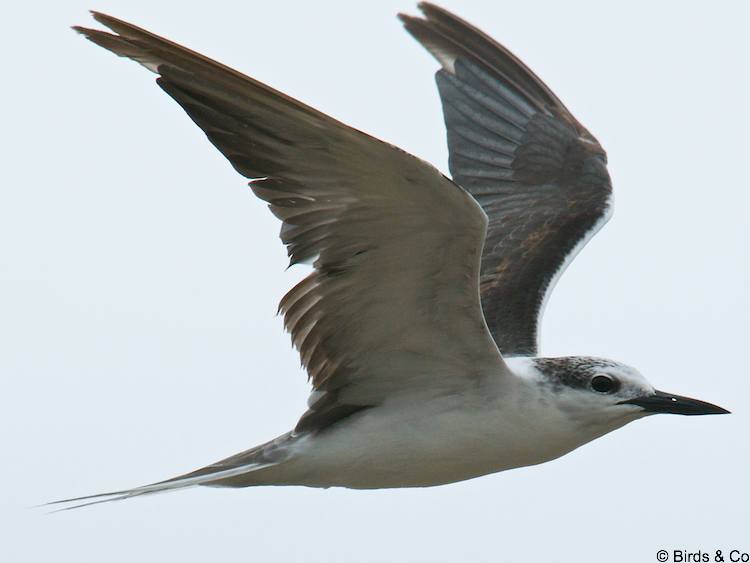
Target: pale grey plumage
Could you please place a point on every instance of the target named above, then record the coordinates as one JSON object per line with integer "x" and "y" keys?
{"x": 409, "y": 387}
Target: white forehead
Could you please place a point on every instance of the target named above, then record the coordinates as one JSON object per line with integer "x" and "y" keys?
{"x": 632, "y": 382}
{"x": 625, "y": 373}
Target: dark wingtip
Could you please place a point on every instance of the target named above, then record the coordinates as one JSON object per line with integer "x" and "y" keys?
{"x": 437, "y": 14}
{"x": 422, "y": 30}
{"x": 86, "y": 32}
{"x": 101, "y": 17}
{"x": 408, "y": 20}
{"x": 428, "y": 7}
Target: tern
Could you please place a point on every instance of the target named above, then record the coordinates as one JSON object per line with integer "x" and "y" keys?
{"x": 418, "y": 325}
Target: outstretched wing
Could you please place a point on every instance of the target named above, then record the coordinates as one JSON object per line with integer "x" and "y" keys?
{"x": 538, "y": 174}
{"x": 393, "y": 302}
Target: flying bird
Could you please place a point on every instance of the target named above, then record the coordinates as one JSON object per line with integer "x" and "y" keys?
{"x": 419, "y": 324}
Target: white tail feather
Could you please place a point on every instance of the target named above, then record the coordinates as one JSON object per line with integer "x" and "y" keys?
{"x": 169, "y": 485}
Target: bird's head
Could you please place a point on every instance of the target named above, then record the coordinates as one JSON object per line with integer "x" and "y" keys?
{"x": 602, "y": 392}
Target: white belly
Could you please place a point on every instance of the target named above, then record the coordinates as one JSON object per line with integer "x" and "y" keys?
{"x": 418, "y": 442}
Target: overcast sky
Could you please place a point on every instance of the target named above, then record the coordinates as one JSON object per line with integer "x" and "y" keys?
{"x": 140, "y": 278}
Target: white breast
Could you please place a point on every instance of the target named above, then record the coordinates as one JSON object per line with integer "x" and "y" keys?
{"x": 431, "y": 439}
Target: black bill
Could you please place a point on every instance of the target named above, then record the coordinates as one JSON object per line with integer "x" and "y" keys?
{"x": 661, "y": 402}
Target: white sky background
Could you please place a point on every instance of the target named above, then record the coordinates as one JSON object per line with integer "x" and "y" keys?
{"x": 140, "y": 280}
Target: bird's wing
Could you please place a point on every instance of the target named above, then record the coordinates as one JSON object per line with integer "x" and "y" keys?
{"x": 393, "y": 301}
{"x": 540, "y": 176}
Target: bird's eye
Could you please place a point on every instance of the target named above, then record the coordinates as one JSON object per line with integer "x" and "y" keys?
{"x": 603, "y": 384}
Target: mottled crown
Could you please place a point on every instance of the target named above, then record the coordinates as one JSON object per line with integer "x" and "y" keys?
{"x": 574, "y": 371}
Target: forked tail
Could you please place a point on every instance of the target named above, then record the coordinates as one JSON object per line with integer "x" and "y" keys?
{"x": 224, "y": 473}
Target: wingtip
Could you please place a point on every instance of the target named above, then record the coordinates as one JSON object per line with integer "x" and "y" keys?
{"x": 412, "y": 24}
{"x": 87, "y": 31}
{"x": 430, "y": 10}
{"x": 101, "y": 17}
{"x": 408, "y": 20}
{"x": 424, "y": 7}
